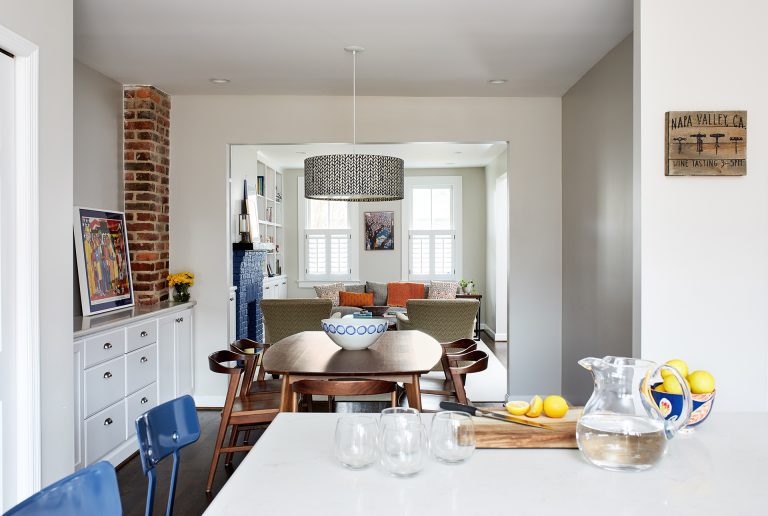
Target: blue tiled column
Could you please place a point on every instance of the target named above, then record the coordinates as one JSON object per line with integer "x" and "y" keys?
{"x": 248, "y": 277}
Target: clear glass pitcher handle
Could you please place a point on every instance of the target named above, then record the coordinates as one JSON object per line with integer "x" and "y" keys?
{"x": 672, "y": 426}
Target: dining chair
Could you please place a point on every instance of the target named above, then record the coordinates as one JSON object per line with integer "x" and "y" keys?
{"x": 239, "y": 412}
{"x": 251, "y": 386}
{"x": 445, "y": 387}
{"x": 460, "y": 365}
{"x": 341, "y": 387}
{"x": 91, "y": 491}
{"x": 163, "y": 431}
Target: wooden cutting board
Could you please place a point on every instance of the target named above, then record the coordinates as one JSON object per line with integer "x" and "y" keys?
{"x": 491, "y": 433}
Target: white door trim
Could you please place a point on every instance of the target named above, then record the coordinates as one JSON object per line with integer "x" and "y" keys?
{"x": 26, "y": 309}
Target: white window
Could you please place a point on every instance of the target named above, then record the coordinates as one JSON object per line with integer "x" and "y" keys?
{"x": 432, "y": 223}
{"x": 327, "y": 239}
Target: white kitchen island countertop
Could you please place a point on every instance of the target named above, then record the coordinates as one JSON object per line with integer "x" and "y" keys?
{"x": 721, "y": 468}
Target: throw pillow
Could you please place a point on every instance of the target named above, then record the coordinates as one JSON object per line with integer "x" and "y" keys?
{"x": 360, "y": 289}
{"x": 443, "y": 289}
{"x": 379, "y": 291}
{"x": 330, "y": 291}
{"x": 399, "y": 293}
{"x": 355, "y": 299}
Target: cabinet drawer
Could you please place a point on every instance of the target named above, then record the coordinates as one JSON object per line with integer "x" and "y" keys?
{"x": 140, "y": 335}
{"x": 140, "y": 368}
{"x": 104, "y": 431}
{"x": 104, "y": 385}
{"x": 136, "y": 404}
{"x": 104, "y": 347}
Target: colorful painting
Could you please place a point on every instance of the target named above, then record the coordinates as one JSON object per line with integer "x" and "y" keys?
{"x": 379, "y": 230}
{"x": 103, "y": 267}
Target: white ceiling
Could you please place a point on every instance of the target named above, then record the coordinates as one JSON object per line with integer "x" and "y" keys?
{"x": 415, "y": 155}
{"x": 294, "y": 47}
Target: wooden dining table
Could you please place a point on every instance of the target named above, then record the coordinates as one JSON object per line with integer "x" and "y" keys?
{"x": 397, "y": 356}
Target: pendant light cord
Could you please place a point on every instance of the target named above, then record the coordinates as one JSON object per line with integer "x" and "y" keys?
{"x": 354, "y": 102}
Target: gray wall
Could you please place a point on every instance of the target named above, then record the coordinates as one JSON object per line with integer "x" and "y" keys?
{"x": 97, "y": 125}
{"x": 597, "y": 218}
{"x": 493, "y": 171}
{"x": 386, "y": 266}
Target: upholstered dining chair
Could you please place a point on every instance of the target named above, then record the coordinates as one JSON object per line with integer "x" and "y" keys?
{"x": 239, "y": 412}
{"x": 286, "y": 317}
{"x": 446, "y": 320}
{"x": 342, "y": 387}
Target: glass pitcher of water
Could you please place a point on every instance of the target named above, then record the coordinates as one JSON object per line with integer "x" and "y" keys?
{"x": 621, "y": 427}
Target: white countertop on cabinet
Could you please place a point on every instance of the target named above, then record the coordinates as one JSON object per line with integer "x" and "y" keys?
{"x": 84, "y": 326}
{"x": 721, "y": 468}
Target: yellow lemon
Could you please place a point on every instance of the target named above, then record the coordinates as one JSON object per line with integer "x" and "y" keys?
{"x": 680, "y": 365}
{"x": 659, "y": 388}
{"x": 517, "y": 408}
{"x": 672, "y": 386}
{"x": 701, "y": 382}
{"x": 537, "y": 405}
{"x": 555, "y": 406}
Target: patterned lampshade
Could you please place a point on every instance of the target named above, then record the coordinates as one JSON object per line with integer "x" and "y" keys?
{"x": 353, "y": 177}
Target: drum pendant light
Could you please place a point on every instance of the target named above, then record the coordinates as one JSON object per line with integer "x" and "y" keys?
{"x": 353, "y": 177}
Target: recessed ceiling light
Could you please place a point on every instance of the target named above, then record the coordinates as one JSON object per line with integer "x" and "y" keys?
{"x": 219, "y": 81}
{"x": 497, "y": 81}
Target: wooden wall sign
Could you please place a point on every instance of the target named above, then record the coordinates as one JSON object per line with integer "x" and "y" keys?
{"x": 706, "y": 143}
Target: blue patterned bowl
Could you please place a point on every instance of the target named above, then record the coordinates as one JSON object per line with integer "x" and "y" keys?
{"x": 671, "y": 405}
{"x": 354, "y": 334}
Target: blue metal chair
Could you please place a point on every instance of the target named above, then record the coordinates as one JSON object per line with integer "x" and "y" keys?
{"x": 162, "y": 431}
{"x": 92, "y": 491}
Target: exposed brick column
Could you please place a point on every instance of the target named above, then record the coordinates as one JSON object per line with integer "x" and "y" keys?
{"x": 145, "y": 178}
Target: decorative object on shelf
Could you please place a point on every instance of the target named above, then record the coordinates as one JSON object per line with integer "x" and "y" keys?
{"x": 180, "y": 283}
{"x": 269, "y": 270}
{"x": 278, "y": 269}
{"x": 103, "y": 265}
{"x": 467, "y": 287}
{"x": 379, "y": 230}
{"x": 706, "y": 143}
{"x": 353, "y": 177}
{"x": 260, "y": 185}
{"x": 269, "y": 214}
{"x": 253, "y": 210}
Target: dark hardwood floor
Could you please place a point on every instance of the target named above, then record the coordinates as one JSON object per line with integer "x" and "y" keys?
{"x": 191, "y": 499}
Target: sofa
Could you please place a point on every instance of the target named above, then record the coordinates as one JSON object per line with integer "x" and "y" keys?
{"x": 379, "y": 291}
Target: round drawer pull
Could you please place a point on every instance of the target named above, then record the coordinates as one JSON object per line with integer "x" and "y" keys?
{"x": 107, "y": 375}
{"x": 108, "y": 345}
{"x": 143, "y": 359}
{"x": 108, "y": 421}
{"x": 144, "y": 400}
{"x": 143, "y": 334}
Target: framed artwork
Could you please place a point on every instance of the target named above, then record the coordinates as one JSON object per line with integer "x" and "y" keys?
{"x": 103, "y": 265}
{"x": 706, "y": 143}
{"x": 379, "y": 230}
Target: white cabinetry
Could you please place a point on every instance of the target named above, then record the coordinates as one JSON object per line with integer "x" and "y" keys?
{"x": 123, "y": 367}
{"x": 175, "y": 335}
{"x": 276, "y": 287}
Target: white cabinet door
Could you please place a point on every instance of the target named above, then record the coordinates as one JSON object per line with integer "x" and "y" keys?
{"x": 79, "y": 395}
{"x": 166, "y": 358}
{"x": 283, "y": 289}
{"x": 184, "y": 373}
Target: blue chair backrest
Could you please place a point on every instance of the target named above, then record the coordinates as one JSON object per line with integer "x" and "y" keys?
{"x": 91, "y": 491}
{"x": 163, "y": 431}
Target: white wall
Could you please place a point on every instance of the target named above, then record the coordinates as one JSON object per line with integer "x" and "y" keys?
{"x": 98, "y": 137}
{"x": 704, "y": 240}
{"x": 48, "y": 24}
{"x": 202, "y": 126}
{"x": 493, "y": 171}
{"x": 386, "y": 266}
{"x": 597, "y": 218}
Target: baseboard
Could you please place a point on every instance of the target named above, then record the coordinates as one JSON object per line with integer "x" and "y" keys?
{"x": 497, "y": 337}
{"x": 203, "y": 402}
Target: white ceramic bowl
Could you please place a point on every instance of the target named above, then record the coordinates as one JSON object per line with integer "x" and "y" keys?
{"x": 354, "y": 334}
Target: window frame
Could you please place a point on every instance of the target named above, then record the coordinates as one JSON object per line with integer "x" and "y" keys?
{"x": 306, "y": 280}
{"x": 456, "y": 221}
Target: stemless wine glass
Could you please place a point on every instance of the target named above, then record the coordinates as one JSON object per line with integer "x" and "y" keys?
{"x": 402, "y": 447}
{"x": 398, "y": 416}
{"x": 356, "y": 441}
{"x": 452, "y": 437}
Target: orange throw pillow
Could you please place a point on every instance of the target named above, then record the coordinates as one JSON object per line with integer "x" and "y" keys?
{"x": 355, "y": 299}
{"x": 400, "y": 292}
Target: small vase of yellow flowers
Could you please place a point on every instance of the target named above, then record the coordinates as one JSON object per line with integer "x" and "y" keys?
{"x": 181, "y": 283}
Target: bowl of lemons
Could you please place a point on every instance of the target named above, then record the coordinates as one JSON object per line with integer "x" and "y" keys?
{"x": 668, "y": 395}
